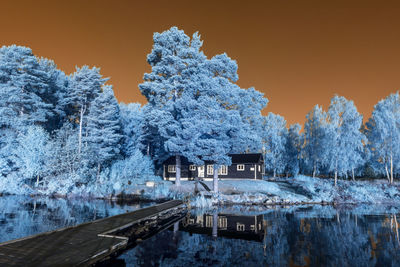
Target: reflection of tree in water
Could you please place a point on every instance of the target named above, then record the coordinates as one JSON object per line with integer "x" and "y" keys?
{"x": 22, "y": 216}
{"x": 291, "y": 239}
{"x": 342, "y": 240}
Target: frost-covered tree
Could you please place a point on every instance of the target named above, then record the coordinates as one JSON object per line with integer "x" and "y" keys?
{"x": 293, "y": 148}
{"x": 173, "y": 59}
{"x": 22, "y": 83}
{"x": 131, "y": 117}
{"x": 33, "y": 152}
{"x": 131, "y": 170}
{"x": 104, "y": 129}
{"x": 345, "y": 139}
{"x": 85, "y": 85}
{"x": 187, "y": 92}
{"x": 383, "y": 132}
{"x": 274, "y": 139}
{"x": 316, "y": 132}
{"x": 249, "y": 103}
{"x": 55, "y": 93}
{"x": 64, "y": 161}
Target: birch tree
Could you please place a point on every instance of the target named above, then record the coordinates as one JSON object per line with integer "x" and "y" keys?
{"x": 294, "y": 143}
{"x": 345, "y": 139}
{"x": 274, "y": 139}
{"x": 383, "y": 133}
{"x": 315, "y": 139}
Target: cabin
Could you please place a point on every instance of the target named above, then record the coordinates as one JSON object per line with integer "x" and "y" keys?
{"x": 244, "y": 166}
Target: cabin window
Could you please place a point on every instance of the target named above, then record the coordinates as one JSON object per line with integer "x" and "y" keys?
{"x": 223, "y": 170}
{"x": 210, "y": 169}
{"x": 252, "y": 227}
{"x": 259, "y": 168}
{"x": 240, "y": 167}
{"x": 192, "y": 167}
{"x": 240, "y": 227}
{"x": 209, "y": 221}
{"x": 171, "y": 168}
{"x": 222, "y": 222}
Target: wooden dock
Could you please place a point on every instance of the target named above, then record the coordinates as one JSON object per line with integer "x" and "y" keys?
{"x": 84, "y": 244}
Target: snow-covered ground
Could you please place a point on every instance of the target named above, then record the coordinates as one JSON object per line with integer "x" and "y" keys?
{"x": 298, "y": 190}
{"x": 283, "y": 191}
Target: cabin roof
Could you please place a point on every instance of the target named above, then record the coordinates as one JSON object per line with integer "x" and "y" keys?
{"x": 246, "y": 158}
{"x": 236, "y": 159}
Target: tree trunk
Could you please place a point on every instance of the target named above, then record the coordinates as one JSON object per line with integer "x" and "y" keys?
{"x": 196, "y": 185}
{"x": 387, "y": 173}
{"x": 80, "y": 129}
{"x": 178, "y": 170}
{"x": 336, "y": 173}
{"x": 98, "y": 172}
{"x": 335, "y": 177}
{"x": 215, "y": 224}
{"x": 215, "y": 180}
{"x": 314, "y": 170}
{"x": 37, "y": 181}
{"x": 391, "y": 169}
{"x": 274, "y": 173}
{"x": 352, "y": 172}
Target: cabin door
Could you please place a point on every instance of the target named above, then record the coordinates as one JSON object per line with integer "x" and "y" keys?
{"x": 200, "y": 170}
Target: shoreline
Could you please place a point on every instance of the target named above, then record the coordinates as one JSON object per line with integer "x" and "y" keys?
{"x": 300, "y": 190}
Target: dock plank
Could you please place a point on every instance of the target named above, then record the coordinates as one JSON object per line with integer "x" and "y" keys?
{"x": 76, "y": 245}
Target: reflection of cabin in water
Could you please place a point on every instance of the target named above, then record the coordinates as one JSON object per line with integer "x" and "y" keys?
{"x": 244, "y": 166}
{"x": 228, "y": 225}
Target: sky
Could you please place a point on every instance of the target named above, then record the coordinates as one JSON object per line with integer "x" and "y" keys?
{"x": 298, "y": 53}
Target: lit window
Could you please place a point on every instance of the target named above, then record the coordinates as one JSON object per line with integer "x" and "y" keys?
{"x": 209, "y": 221}
{"x": 222, "y": 222}
{"x": 240, "y": 167}
{"x": 210, "y": 169}
{"x": 259, "y": 168}
{"x": 252, "y": 227}
{"x": 223, "y": 170}
{"x": 171, "y": 168}
{"x": 239, "y": 226}
{"x": 192, "y": 167}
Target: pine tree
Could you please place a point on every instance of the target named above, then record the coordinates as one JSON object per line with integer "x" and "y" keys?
{"x": 131, "y": 117}
{"x": 104, "y": 134}
{"x": 194, "y": 106}
{"x": 85, "y": 85}
{"x": 23, "y": 84}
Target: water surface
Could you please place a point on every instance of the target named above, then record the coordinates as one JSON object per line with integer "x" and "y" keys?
{"x": 22, "y": 216}
{"x": 235, "y": 236}
{"x": 295, "y": 236}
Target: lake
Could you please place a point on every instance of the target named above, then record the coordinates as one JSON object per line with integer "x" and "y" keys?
{"x": 231, "y": 236}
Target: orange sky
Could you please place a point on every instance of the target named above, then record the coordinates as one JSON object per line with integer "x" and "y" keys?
{"x": 299, "y": 53}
